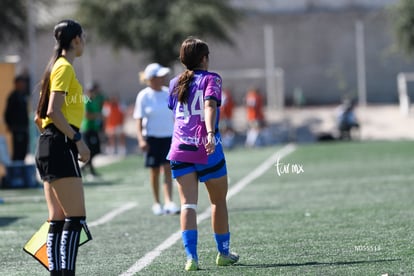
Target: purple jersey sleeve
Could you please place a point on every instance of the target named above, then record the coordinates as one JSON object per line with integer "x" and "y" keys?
{"x": 190, "y": 134}
{"x": 213, "y": 89}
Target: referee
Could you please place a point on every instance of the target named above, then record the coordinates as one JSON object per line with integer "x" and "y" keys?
{"x": 58, "y": 116}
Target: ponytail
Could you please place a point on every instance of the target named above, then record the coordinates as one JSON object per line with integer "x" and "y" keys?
{"x": 183, "y": 85}
{"x": 192, "y": 52}
{"x": 43, "y": 103}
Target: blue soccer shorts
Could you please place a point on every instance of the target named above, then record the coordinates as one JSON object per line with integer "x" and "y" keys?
{"x": 215, "y": 167}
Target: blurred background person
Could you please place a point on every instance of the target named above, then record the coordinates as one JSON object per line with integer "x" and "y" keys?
{"x": 226, "y": 119}
{"x": 154, "y": 132}
{"x": 226, "y": 109}
{"x": 16, "y": 117}
{"x": 346, "y": 119}
{"x": 92, "y": 125}
{"x": 114, "y": 115}
{"x": 255, "y": 117}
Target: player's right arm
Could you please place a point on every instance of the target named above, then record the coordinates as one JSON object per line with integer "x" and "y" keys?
{"x": 140, "y": 137}
{"x": 38, "y": 123}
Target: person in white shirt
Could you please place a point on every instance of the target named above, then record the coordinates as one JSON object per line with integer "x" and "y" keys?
{"x": 154, "y": 130}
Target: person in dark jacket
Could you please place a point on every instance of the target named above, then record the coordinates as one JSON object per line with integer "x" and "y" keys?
{"x": 17, "y": 118}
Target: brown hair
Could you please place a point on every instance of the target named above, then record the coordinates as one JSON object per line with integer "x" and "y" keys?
{"x": 64, "y": 32}
{"x": 192, "y": 52}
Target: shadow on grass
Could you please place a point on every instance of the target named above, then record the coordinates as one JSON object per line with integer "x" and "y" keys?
{"x": 317, "y": 263}
{"x": 4, "y": 221}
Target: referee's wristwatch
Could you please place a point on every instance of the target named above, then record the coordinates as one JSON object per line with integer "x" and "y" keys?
{"x": 77, "y": 137}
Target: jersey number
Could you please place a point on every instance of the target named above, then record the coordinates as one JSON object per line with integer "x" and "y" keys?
{"x": 196, "y": 108}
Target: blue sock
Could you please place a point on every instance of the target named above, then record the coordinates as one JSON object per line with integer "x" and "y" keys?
{"x": 223, "y": 243}
{"x": 189, "y": 238}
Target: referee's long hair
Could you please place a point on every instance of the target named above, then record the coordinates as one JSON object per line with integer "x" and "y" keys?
{"x": 64, "y": 32}
{"x": 192, "y": 52}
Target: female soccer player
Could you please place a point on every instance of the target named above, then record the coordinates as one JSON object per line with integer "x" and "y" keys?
{"x": 195, "y": 154}
{"x": 58, "y": 116}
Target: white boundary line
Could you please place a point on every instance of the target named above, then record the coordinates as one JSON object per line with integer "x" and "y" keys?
{"x": 171, "y": 240}
{"x": 109, "y": 216}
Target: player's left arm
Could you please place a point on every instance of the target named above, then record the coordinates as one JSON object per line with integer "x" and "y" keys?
{"x": 212, "y": 100}
{"x": 210, "y": 113}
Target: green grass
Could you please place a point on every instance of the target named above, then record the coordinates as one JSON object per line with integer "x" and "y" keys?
{"x": 350, "y": 212}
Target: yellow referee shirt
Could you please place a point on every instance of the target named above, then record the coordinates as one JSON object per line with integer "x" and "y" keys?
{"x": 63, "y": 79}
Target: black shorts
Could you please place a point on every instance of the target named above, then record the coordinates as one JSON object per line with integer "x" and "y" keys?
{"x": 56, "y": 155}
{"x": 158, "y": 151}
{"x": 91, "y": 138}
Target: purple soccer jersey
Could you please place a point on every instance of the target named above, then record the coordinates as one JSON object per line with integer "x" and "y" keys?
{"x": 190, "y": 134}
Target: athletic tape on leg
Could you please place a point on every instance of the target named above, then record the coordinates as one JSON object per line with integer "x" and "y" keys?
{"x": 189, "y": 206}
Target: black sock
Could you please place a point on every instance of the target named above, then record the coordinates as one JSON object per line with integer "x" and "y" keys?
{"x": 69, "y": 244}
{"x": 53, "y": 246}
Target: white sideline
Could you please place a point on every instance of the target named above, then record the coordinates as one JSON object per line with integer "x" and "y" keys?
{"x": 109, "y": 216}
{"x": 171, "y": 240}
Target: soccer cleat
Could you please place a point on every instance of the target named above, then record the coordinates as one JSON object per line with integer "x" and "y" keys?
{"x": 191, "y": 265}
{"x": 223, "y": 260}
{"x": 171, "y": 208}
{"x": 157, "y": 209}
